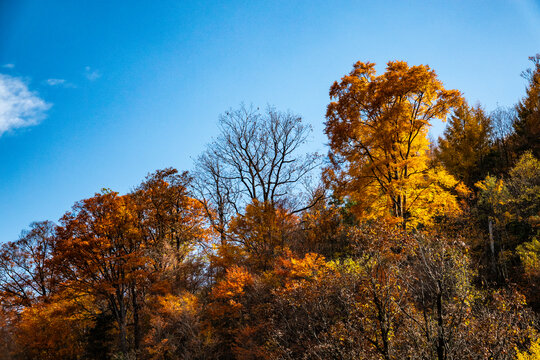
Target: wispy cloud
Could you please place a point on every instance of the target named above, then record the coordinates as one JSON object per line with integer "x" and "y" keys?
{"x": 55, "y": 82}
{"x": 60, "y": 83}
{"x": 530, "y": 10}
{"x": 19, "y": 107}
{"x": 91, "y": 74}
{"x": 8, "y": 66}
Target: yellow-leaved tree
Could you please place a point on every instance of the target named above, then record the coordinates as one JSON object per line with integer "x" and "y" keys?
{"x": 379, "y": 150}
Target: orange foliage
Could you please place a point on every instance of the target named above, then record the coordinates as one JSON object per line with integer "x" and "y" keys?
{"x": 291, "y": 267}
{"x": 173, "y": 321}
{"x": 52, "y": 330}
{"x": 262, "y": 232}
{"x": 233, "y": 285}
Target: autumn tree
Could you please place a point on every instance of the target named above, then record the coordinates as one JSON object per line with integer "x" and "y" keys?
{"x": 248, "y": 181}
{"x": 262, "y": 232}
{"x": 448, "y": 317}
{"x": 439, "y": 284}
{"x": 348, "y": 308}
{"x": 231, "y": 312}
{"x": 324, "y": 229}
{"x": 508, "y": 209}
{"x": 175, "y": 328}
{"x": 524, "y": 190}
{"x": 100, "y": 253}
{"x": 465, "y": 144}
{"x": 124, "y": 249}
{"x": 173, "y": 226}
{"x": 54, "y": 330}
{"x": 527, "y": 124}
{"x": 377, "y": 126}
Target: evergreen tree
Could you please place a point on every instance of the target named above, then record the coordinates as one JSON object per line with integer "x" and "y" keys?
{"x": 465, "y": 144}
{"x": 527, "y": 124}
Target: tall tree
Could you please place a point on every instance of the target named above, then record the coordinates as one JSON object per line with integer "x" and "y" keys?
{"x": 257, "y": 156}
{"x": 465, "y": 144}
{"x": 100, "y": 253}
{"x": 509, "y": 209}
{"x": 218, "y": 193}
{"x": 377, "y": 128}
{"x": 500, "y": 158}
{"x": 527, "y": 124}
{"x": 248, "y": 181}
{"x": 168, "y": 216}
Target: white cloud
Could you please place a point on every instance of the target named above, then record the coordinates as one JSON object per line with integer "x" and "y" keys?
{"x": 59, "y": 83}
{"x": 8, "y": 66}
{"x": 91, "y": 74}
{"x": 19, "y": 107}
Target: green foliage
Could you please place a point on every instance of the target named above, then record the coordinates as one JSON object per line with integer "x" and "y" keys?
{"x": 529, "y": 253}
{"x": 524, "y": 189}
{"x": 515, "y": 199}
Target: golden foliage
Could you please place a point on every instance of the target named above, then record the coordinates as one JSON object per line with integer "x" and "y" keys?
{"x": 173, "y": 322}
{"x": 53, "y": 330}
{"x": 532, "y": 354}
{"x": 377, "y": 128}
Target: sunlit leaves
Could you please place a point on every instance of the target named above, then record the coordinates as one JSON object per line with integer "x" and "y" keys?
{"x": 377, "y": 126}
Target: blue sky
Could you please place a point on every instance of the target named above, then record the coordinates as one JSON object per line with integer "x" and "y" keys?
{"x": 97, "y": 94}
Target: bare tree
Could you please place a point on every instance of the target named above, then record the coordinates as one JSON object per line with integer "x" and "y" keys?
{"x": 502, "y": 120}
{"x": 25, "y": 271}
{"x": 218, "y": 194}
{"x": 257, "y": 156}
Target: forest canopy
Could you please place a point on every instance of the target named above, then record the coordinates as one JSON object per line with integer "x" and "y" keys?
{"x": 390, "y": 247}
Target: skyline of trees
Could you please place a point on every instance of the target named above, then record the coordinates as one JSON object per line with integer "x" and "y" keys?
{"x": 403, "y": 250}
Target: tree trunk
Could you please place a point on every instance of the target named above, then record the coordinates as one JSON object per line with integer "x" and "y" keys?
{"x": 123, "y": 335}
{"x": 136, "y": 322}
{"x": 492, "y": 246}
{"x": 440, "y": 340}
{"x": 121, "y": 318}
